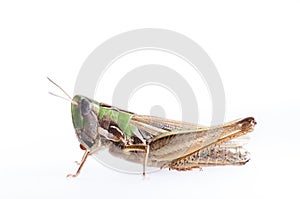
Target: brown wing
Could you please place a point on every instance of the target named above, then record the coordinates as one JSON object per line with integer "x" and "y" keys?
{"x": 151, "y": 126}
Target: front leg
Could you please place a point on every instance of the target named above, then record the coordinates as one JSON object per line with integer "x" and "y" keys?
{"x": 85, "y": 155}
{"x": 139, "y": 147}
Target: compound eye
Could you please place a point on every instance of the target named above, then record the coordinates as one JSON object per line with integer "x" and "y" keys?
{"x": 85, "y": 107}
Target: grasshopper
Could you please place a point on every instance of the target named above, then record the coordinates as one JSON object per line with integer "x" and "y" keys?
{"x": 153, "y": 141}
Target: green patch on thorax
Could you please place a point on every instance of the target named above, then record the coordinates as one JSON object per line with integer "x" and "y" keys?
{"x": 119, "y": 117}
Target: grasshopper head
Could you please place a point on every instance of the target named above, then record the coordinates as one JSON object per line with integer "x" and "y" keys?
{"x": 85, "y": 121}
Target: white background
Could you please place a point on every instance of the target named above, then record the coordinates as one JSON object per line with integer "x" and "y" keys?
{"x": 255, "y": 47}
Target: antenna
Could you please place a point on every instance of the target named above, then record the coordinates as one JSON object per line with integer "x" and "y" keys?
{"x": 60, "y": 88}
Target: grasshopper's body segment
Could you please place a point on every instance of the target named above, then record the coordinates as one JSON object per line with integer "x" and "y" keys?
{"x": 156, "y": 142}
